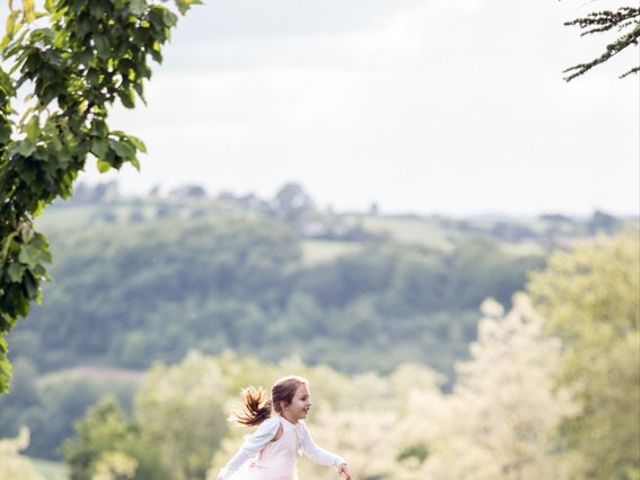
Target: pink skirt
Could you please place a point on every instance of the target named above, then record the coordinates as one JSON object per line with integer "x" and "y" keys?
{"x": 258, "y": 472}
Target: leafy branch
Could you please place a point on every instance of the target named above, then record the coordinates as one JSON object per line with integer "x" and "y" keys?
{"x": 626, "y": 20}
{"x": 77, "y": 58}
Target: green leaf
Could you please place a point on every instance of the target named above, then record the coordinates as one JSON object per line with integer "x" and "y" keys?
{"x": 32, "y": 128}
{"x": 97, "y": 9}
{"x": 40, "y": 241}
{"x": 4, "y": 348}
{"x": 5, "y": 367}
{"x": 122, "y": 149}
{"x": 170, "y": 18}
{"x": 99, "y": 127}
{"x": 6, "y": 83}
{"x": 5, "y": 133}
{"x": 29, "y": 10}
{"x": 135, "y": 162}
{"x": 126, "y": 97}
{"x": 102, "y": 45}
{"x": 15, "y": 272}
{"x": 138, "y": 7}
{"x": 56, "y": 144}
{"x": 138, "y": 87}
{"x": 185, "y": 5}
{"x": 31, "y": 286}
{"x": 139, "y": 144}
{"x": 39, "y": 209}
{"x": 11, "y": 27}
{"x": 27, "y": 235}
{"x": 46, "y": 258}
{"x": 29, "y": 255}
{"x": 99, "y": 147}
{"x": 84, "y": 58}
{"x": 103, "y": 166}
{"x": 25, "y": 148}
{"x": 27, "y": 174}
{"x": 83, "y": 27}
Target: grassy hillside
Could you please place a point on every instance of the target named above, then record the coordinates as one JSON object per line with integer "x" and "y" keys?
{"x": 315, "y": 252}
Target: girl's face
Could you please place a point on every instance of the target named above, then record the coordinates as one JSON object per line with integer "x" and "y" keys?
{"x": 299, "y": 406}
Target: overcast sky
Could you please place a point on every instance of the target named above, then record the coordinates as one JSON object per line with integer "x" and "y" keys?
{"x": 446, "y": 106}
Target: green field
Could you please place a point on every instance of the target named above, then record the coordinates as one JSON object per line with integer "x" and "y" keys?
{"x": 408, "y": 230}
{"x": 51, "y": 470}
{"x": 319, "y": 251}
{"x": 96, "y": 373}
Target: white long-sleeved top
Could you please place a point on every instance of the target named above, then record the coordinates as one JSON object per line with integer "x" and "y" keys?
{"x": 255, "y": 443}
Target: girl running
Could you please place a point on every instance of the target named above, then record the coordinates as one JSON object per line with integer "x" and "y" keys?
{"x": 270, "y": 452}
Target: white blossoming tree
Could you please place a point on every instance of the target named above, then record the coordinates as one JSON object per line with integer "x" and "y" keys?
{"x": 500, "y": 421}
{"x": 14, "y": 465}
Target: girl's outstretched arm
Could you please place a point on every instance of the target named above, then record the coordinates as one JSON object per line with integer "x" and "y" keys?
{"x": 252, "y": 445}
{"x": 321, "y": 456}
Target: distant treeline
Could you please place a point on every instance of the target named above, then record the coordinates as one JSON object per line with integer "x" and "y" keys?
{"x": 133, "y": 294}
{"x": 294, "y": 206}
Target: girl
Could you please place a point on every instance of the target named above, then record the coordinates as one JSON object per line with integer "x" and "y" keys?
{"x": 273, "y": 446}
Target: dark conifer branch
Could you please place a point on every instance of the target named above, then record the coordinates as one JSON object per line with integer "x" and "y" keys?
{"x": 598, "y": 22}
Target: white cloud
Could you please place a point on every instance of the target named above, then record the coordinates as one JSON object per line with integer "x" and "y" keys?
{"x": 421, "y": 105}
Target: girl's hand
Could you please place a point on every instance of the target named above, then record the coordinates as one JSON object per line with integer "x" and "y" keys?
{"x": 342, "y": 470}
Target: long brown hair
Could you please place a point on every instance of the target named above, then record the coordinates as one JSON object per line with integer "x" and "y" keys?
{"x": 256, "y": 407}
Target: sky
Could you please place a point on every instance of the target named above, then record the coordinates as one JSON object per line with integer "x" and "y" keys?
{"x": 426, "y": 106}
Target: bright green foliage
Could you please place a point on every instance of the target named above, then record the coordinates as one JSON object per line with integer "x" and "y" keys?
{"x": 75, "y": 59}
{"x": 106, "y": 441}
{"x": 115, "y": 466}
{"x": 180, "y": 411}
{"x": 591, "y": 300}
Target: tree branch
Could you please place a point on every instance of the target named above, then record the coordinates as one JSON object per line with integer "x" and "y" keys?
{"x": 598, "y": 22}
